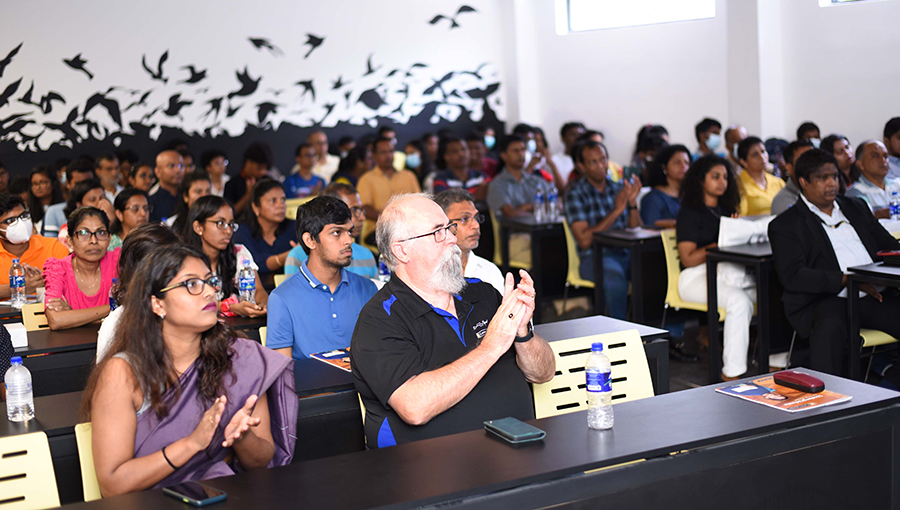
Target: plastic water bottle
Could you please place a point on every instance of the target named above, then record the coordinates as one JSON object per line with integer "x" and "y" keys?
{"x": 599, "y": 389}
{"x": 895, "y": 206}
{"x": 17, "y": 285}
{"x": 539, "y": 205}
{"x": 384, "y": 274}
{"x": 552, "y": 204}
{"x": 247, "y": 283}
{"x": 19, "y": 396}
{"x": 112, "y": 292}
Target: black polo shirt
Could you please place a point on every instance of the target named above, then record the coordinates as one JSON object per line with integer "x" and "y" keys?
{"x": 399, "y": 335}
{"x": 163, "y": 204}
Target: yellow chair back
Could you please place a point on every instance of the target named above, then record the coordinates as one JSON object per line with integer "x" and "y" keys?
{"x": 86, "y": 459}
{"x": 498, "y": 254}
{"x": 27, "y": 479}
{"x": 33, "y": 317}
{"x": 368, "y": 228}
{"x": 673, "y": 270}
{"x": 262, "y": 335}
{"x": 293, "y": 204}
{"x": 279, "y": 279}
{"x": 573, "y": 277}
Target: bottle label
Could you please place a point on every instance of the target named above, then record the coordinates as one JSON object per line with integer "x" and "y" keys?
{"x": 16, "y": 281}
{"x": 598, "y": 382}
{"x": 247, "y": 284}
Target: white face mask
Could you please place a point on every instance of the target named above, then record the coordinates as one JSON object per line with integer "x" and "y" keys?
{"x": 19, "y": 232}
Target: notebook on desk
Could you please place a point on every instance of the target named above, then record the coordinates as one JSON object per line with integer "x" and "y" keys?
{"x": 339, "y": 358}
{"x": 764, "y": 391}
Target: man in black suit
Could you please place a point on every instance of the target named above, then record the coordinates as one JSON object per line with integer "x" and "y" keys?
{"x": 813, "y": 243}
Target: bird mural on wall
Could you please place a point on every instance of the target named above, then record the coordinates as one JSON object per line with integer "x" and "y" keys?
{"x": 9, "y": 91}
{"x": 313, "y": 42}
{"x": 175, "y": 105}
{"x": 452, "y": 19}
{"x": 77, "y": 63}
{"x": 261, "y": 43}
{"x": 248, "y": 84}
{"x": 8, "y": 58}
{"x": 196, "y": 76}
{"x": 158, "y": 73}
{"x": 307, "y": 87}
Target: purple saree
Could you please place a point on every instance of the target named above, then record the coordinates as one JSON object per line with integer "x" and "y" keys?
{"x": 258, "y": 370}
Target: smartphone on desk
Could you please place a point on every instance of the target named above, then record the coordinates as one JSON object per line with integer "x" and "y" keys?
{"x": 194, "y": 493}
{"x": 514, "y": 431}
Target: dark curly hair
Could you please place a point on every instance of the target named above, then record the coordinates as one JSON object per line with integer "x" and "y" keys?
{"x": 692, "y": 185}
{"x": 148, "y": 356}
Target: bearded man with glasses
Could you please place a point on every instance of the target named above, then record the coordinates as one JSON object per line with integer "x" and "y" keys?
{"x": 434, "y": 353}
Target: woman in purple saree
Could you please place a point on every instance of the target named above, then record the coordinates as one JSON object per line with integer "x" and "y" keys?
{"x": 178, "y": 397}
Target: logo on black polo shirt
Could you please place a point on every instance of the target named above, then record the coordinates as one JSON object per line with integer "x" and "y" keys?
{"x": 480, "y": 334}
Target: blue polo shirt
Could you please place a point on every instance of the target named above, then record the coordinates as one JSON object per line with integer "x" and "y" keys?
{"x": 305, "y": 315}
{"x": 361, "y": 263}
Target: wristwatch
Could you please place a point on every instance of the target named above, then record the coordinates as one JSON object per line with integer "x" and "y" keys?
{"x": 632, "y": 207}
{"x": 528, "y": 336}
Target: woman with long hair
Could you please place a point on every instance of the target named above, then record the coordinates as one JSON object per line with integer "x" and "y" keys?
{"x": 709, "y": 192}
{"x": 265, "y": 231}
{"x": 44, "y": 192}
{"x": 194, "y": 185}
{"x": 758, "y": 187}
{"x": 210, "y": 228}
{"x": 198, "y": 402}
{"x": 132, "y": 210}
{"x": 660, "y": 207}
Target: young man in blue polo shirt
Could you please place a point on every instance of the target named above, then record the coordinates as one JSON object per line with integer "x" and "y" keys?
{"x": 316, "y": 309}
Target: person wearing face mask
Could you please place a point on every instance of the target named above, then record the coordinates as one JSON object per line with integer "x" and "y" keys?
{"x": 345, "y": 145}
{"x": 17, "y": 241}
{"x": 809, "y": 131}
{"x": 709, "y": 137}
{"x": 419, "y": 162}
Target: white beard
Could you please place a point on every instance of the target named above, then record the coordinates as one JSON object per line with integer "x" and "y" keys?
{"x": 448, "y": 276}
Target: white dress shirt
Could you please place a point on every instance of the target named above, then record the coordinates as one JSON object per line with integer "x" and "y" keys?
{"x": 484, "y": 270}
{"x": 564, "y": 164}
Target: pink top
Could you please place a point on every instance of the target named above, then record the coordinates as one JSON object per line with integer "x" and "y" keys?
{"x": 59, "y": 281}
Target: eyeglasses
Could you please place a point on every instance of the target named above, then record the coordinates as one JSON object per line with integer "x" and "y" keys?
{"x": 85, "y": 235}
{"x": 194, "y": 286}
{"x": 40, "y": 183}
{"x": 24, "y": 216}
{"x": 138, "y": 208}
{"x": 222, "y": 225}
{"x": 465, "y": 219}
{"x": 277, "y": 201}
{"x": 175, "y": 166}
{"x": 439, "y": 234}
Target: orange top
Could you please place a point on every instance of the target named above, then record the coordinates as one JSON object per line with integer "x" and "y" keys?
{"x": 39, "y": 250}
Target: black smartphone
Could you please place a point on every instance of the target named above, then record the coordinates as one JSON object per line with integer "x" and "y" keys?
{"x": 514, "y": 431}
{"x": 194, "y": 493}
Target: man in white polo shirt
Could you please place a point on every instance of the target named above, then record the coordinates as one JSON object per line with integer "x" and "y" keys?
{"x": 459, "y": 205}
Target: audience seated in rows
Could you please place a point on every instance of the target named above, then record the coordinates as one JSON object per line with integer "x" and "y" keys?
{"x": 377, "y": 186}
{"x": 44, "y": 191}
{"x": 169, "y": 173}
{"x": 238, "y": 190}
{"x": 79, "y": 170}
{"x": 459, "y": 205}
{"x": 107, "y": 170}
{"x": 194, "y": 185}
{"x": 789, "y": 194}
{"x": 325, "y": 165}
{"x": 875, "y": 184}
{"x": 659, "y": 208}
{"x": 18, "y": 241}
{"x": 453, "y": 159}
{"x": 303, "y": 182}
{"x": 265, "y": 231}
{"x": 132, "y": 209}
{"x": 757, "y": 186}
{"x": 316, "y": 309}
{"x": 708, "y": 133}
{"x": 215, "y": 164}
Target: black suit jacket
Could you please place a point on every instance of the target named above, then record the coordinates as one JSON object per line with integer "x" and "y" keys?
{"x": 805, "y": 260}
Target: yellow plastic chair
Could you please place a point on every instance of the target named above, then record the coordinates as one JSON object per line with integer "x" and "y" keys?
{"x": 896, "y": 234}
{"x": 262, "y": 335}
{"x": 86, "y": 460}
{"x": 279, "y": 279}
{"x": 565, "y": 393}
{"x": 27, "y": 479}
{"x": 368, "y": 228}
{"x": 673, "y": 270}
{"x": 573, "y": 277}
{"x": 498, "y": 254}
{"x": 33, "y": 317}
{"x": 292, "y": 205}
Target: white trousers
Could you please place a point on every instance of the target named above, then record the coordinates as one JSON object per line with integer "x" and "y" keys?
{"x": 736, "y": 293}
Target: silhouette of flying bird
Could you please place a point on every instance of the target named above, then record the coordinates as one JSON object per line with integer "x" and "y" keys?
{"x": 145, "y": 118}
{"x": 77, "y": 63}
{"x": 26, "y": 97}
{"x": 477, "y": 72}
{"x": 175, "y": 105}
{"x": 372, "y": 99}
{"x": 47, "y": 101}
{"x": 264, "y": 43}
{"x": 347, "y": 97}
{"x": 158, "y": 74}
{"x": 417, "y": 64}
{"x": 141, "y": 101}
{"x": 8, "y": 59}
{"x": 452, "y": 19}
{"x": 231, "y": 111}
{"x": 15, "y": 127}
{"x": 438, "y": 84}
{"x": 338, "y": 83}
{"x": 369, "y": 69}
{"x": 65, "y": 127}
{"x": 248, "y": 85}
{"x": 10, "y": 90}
{"x": 307, "y": 87}
{"x": 264, "y": 109}
{"x": 196, "y": 75}
{"x": 111, "y": 105}
{"x": 313, "y": 42}
{"x": 215, "y": 105}
{"x": 328, "y": 108}
{"x": 483, "y": 93}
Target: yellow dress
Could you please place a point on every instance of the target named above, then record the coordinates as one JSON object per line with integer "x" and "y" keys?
{"x": 756, "y": 201}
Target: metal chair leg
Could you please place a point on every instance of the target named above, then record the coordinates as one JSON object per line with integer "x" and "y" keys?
{"x": 869, "y": 368}
{"x": 665, "y": 310}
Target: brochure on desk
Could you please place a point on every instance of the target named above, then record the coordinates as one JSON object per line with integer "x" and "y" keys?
{"x": 764, "y": 391}
{"x": 337, "y": 358}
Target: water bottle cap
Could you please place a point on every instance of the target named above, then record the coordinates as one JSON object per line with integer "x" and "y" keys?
{"x": 15, "y": 261}
{"x": 597, "y": 347}
{"x": 246, "y": 263}
{"x": 115, "y": 280}
{"x": 16, "y": 360}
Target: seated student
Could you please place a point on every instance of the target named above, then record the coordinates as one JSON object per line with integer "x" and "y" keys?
{"x": 215, "y": 163}
{"x": 813, "y": 243}
{"x": 169, "y": 172}
{"x": 709, "y": 192}
{"x": 660, "y": 207}
{"x": 650, "y": 138}
{"x": 569, "y": 134}
{"x": 593, "y": 204}
{"x": 357, "y": 162}
{"x": 18, "y": 241}
{"x": 377, "y": 186}
{"x": 210, "y": 228}
{"x": 615, "y": 171}
{"x": 325, "y": 164}
{"x": 809, "y": 131}
{"x": 709, "y": 137}
{"x": 363, "y": 260}
{"x": 839, "y": 147}
{"x": 43, "y": 192}
{"x": 132, "y": 210}
{"x": 107, "y": 170}
{"x": 875, "y": 184}
{"x": 79, "y": 170}
{"x": 512, "y": 192}
{"x": 790, "y": 192}
{"x": 85, "y": 193}
{"x": 127, "y": 159}
{"x": 316, "y": 310}
{"x": 141, "y": 176}
{"x": 892, "y": 144}
{"x": 199, "y": 403}
{"x": 77, "y": 286}
{"x": 239, "y": 190}
{"x": 419, "y": 162}
{"x": 733, "y": 137}
{"x": 545, "y": 164}
{"x": 414, "y": 378}
{"x": 265, "y": 231}
{"x": 303, "y": 182}
{"x": 135, "y": 249}
{"x": 459, "y": 205}
{"x": 758, "y": 187}
{"x": 194, "y": 185}
{"x": 478, "y": 158}
{"x": 453, "y": 158}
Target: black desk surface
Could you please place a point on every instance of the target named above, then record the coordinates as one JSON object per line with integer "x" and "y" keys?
{"x": 632, "y": 234}
{"x": 53, "y": 414}
{"x": 528, "y": 223}
{"x": 753, "y": 250}
{"x": 8, "y": 312}
{"x": 76, "y": 339}
{"x": 452, "y": 467}
{"x": 594, "y": 325}
{"x": 313, "y": 376}
{"x": 878, "y": 269}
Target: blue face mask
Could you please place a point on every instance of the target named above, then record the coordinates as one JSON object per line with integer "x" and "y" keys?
{"x": 816, "y": 142}
{"x": 489, "y": 141}
{"x": 413, "y": 160}
{"x": 712, "y": 143}
{"x": 532, "y": 146}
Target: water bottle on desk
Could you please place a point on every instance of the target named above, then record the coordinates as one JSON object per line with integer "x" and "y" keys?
{"x": 247, "y": 283}
{"x": 895, "y": 206}
{"x": 599, "y": 389}
{"x": 17, "y": 285}
{"x": 19, "y": 395}
{"x": 552, "y": 204}
{"x": 539, "y": 205}
{"x": 384, "y": 274}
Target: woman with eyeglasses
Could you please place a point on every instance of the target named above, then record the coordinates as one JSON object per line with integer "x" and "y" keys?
{"x": 44, "y": 192}
{"x": 89, "y": 192}
{"x": 210, "y": 227}
{"x": 198, "y": 403}
{"x": 77, "y": 286}
{"x": 132, "y": 210}
{"x": 265, "y": 231}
